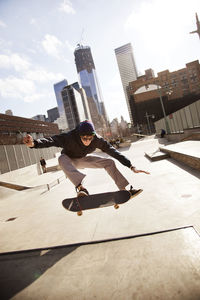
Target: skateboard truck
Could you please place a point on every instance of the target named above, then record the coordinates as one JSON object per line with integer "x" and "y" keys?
{"x": 79, "y": 212}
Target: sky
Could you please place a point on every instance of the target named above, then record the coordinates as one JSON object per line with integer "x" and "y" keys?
{"x": 38, "y": 38}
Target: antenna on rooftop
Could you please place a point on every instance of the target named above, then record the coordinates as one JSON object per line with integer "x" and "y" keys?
{"x": 80, "y": 42}
{"x": 198, "y": 26}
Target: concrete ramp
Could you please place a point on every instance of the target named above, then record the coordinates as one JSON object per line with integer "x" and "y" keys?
{"x": 187, "y": 152}
{"x": 156, "y": 155}
{"x": 163, "y": 265}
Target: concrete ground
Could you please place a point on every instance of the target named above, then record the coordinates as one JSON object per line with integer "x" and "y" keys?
{"x": 163, "y": 265}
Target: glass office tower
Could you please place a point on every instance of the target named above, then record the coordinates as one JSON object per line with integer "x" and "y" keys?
{"x": 58, "y": 87}
{"x": 88, "y": 79}
{"x": 73, "y": 105}
{"x": 127, "y": 69}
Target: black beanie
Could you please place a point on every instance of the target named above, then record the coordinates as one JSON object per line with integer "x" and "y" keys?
{"x": 86, "y": 128}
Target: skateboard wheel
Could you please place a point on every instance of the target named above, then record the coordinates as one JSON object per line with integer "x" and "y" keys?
{"x": 79, "y": 213}
{"x": 116, "y": 206}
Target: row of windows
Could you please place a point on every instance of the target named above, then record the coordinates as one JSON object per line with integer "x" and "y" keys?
{"x": 183, "y": 74}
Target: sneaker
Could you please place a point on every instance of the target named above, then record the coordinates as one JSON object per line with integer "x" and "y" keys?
{"x": 81, "y": 191}
{"x": 134, "y": 192}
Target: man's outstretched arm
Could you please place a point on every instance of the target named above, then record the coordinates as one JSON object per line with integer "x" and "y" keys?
{"x": 110, "y": 150}
{"x": 135, "y": 170}
{"x": 28, "y": 141}
{"x": 56, "y": 141}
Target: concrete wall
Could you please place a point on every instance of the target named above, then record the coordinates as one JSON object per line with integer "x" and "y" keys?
{"x": 13, "y": 157}
{"x": 185, "y": 118}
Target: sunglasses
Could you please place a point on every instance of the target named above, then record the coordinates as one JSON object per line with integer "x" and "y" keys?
{"x": 87, "y": 138}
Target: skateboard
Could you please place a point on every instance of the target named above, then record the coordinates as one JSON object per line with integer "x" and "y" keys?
{"x": 78, "y": 204}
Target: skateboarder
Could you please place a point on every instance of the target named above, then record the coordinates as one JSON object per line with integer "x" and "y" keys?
{"x": 76, "y": 145}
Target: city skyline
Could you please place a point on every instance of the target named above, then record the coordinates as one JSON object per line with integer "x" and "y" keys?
{"x": 38, "y": 41}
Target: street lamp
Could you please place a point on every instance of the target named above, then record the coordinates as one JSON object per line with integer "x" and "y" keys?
{"x": 163, "y": 109}
{"x": 149, "y": 116}
{"x": 154, "y": 87}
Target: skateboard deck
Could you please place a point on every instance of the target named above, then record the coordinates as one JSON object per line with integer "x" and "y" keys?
{"x": 78, "y": 204}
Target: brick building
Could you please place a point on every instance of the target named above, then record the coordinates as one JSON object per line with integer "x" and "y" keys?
{"x": 13, "y": 153}
{"x": 178, "y": 89}
{"x": 13, "y": 128}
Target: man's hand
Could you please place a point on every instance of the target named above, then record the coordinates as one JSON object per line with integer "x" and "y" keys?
{"x": 138, "y": 171}
{"x": 28, "y": 140}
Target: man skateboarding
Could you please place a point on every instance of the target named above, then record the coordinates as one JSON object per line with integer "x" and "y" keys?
{"x": 76, "y": 145}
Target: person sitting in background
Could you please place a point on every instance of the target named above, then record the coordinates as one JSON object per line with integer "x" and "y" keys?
{"x": 162, "y": 134}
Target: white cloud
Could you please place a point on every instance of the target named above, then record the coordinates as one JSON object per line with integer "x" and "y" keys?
{"x": 56, "y": 48}
{"x": 41, "y": 75}
{"x": 66, "y": 6}
{"x": 21, "y": 89}
{"x": 2, "y": 24}
{"x": 25, "y": 84}
{"x": 34, "y": 97}
{"x": 14, "y": 87}
{"x": 26, "y": 69}
{"x": 52, "y": 45}
{"x": 15, "y": 61}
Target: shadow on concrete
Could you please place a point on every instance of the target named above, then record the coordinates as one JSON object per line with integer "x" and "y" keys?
{"x": 124, "y": 148}
{"x": 18, "y": 187}
{"x": 53, "y": 169}
{"x": 162, "y": 141}
{"x": 20, "y": 270}
{"x": 185, "y": 168}
{"x": 14, "y": 186}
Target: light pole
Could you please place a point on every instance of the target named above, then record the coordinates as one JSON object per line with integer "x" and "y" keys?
{"x": 151, "y": 87}
{"x": 163, "y": 109}
{"x": 149, "y": 116}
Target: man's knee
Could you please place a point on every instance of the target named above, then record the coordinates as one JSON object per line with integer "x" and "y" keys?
{"x": 110, "y": 163}
{"x": 61, "y": 159}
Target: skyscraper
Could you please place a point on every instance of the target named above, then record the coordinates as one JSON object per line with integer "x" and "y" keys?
{"x": 58, "y": 87}
{"x": 53, "y": 114}
{"x": 127, "y": 69}
{"x": 74, "y": 105}
{"x": 88, "y": 79}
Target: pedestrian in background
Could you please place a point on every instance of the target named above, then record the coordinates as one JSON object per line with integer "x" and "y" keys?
{"x": 43, "y": 164}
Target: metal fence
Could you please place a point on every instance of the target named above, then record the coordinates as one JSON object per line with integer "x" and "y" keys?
{"x": 13, "y": 157}
{"x": 187, "y": 117}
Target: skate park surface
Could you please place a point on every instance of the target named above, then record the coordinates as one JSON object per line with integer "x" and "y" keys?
{"x": 147, "y": 249}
